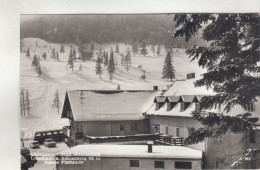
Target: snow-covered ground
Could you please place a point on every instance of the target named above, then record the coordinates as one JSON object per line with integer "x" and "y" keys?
{"x": 56, "y": 75}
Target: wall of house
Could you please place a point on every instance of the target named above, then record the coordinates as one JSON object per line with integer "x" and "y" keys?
{"x": 225, "y": 150}
{"x": 124, "y": 163}
{"x": 112, "y": 128}
{"x": 172, "y": 122}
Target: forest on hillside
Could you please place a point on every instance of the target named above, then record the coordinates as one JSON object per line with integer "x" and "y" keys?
{"x": 151, "y": 29}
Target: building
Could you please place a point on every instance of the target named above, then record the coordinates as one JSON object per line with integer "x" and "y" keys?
{"x": 227, "y": 150}
{"x": 172, "y": 110}
{"x": 118, "y": 157}
{"x": 106, "y": 113}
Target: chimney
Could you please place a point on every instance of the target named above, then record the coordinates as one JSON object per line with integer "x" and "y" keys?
{"x": 191, "y": 76}
{"x": 155, "y": 87}
{"x": 150, "y": 147}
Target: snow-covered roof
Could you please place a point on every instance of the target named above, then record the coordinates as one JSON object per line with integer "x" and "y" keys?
{"x": 186, "y": 87}
{"x": 160, "y": 99}
{"x": 173, "y": 98}
{"x": 104, "y": 105}
{"x": 134, "y": 151}
{"x": 187, "y": 98}
{"x": 175, "y": 111}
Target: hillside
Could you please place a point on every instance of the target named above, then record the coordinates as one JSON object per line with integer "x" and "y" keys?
{"x": 56, "y": 75}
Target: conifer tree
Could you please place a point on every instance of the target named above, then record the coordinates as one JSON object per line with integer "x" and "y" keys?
{"x": 62, "y": 49}
{"x": 53, "y": 53}
{"x": 57, "y": 56}
{"x": 231, "y": 61}
{"x": 143, "y": 76}
{"x": 153, "y": 49}
{"x": 35, "y": 61}
{"x": 98, "y": 67}
{"x": 106, "y": 59}
{"x": 144, "y": 50}
{"x": 74, "y": 54}
{"x": 39, "y": 69}
{"x": 168, "y": 69}
{"x": 111, "y": 66}
{"x": 44, "y": 56}
{"x": 56, "y": 101}
{"x": 135, "y": 48}
{"x": 80, "y": 68}
{"x": 28, "y": 53}
{"x": 158, "y": 49}
{"x": 70, "y": 61}
{"x": 117, "y": 49}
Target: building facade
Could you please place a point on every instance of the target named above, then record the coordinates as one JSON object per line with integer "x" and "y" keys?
{"x": 118, "y": 157}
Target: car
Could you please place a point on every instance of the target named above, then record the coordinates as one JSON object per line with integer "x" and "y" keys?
{"x": 34, "y": 144}
{"x": 49, "y": 143}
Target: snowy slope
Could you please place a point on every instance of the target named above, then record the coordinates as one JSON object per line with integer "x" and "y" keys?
{"x": 56, "y": 75}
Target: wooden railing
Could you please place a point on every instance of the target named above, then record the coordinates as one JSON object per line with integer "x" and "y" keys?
{"x": 170, "y": 140}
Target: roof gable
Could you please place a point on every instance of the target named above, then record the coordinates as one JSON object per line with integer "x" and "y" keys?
{"x": 109, "y": 105}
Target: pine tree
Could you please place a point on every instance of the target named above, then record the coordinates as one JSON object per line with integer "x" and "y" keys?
{"x": 106, "y": 59}
{"x": 70, "y": 61}
{"x": 231, "y": 61}
{"x": 35, "y": 61}
{"x": 98, "y": 67}
{"x": 39, "y": 70}
{"x": 28, "y": 53}
{"x": 143, "y": 50}
{"x": 135, "y": 48}
{"x": 56, "y": 101}
{"x": 74, "y": 54}
{"x": 57, "y": 56}
{"x": 62, "y": 49}
{"x": 92, "y": 47}
{"x": 111, "y": 66}
{"x": 153, "y": 49}
{"x": 127, "y": 61}
{"x": 117, "y": 49}
{"x": 80, "y": 68}
{"x": 53, "y": 53}
{"x": 168, "y": 70}
{"x": 44, "y": 56}
{"x": 143, "y": 76}
{"x": 158, "y": 49}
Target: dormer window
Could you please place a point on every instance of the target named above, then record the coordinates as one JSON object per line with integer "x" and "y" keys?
{"x": 197, "y": 107}
{"x": 159, "y": 101}
{"x": 182, "y": 106}
{"x": 250, "y": 106}
{"x": 169, "y": 106}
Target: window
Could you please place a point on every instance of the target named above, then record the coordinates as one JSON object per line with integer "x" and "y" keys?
{"x": 134, "y": 126}
{"x": 134, "y": 163}
{"x": 166, "y": 130}
{"x": 177, "y": 131}
{"x": 220, "y": 138}
{"x": 197, "y": 107}
{"x": 183, "y": 165}
{"x": 189, "y": 131}
{"x": 159, "y": 164}
{"x": 182, "y": 106}
{"x": 250, "y": 107}
{"x": 169, "y": 106}
{"x": 122, "y": 127}
{"x": 252, "y": 136}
